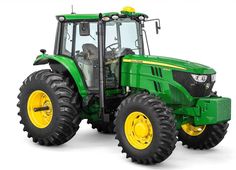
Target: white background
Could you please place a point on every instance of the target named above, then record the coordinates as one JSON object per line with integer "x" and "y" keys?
{"x": 203, "y": 31}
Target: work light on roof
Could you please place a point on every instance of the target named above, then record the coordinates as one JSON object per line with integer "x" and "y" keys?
{"x": 61, "y": 18}
{"x": 105, "y": 18}
{"x": 115, "y": 17}
{"x": 128, "y": 9}
{"x": 141, "y": 17}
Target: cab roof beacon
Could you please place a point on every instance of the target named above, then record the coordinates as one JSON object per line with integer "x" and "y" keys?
{"x": 101, "y": 72}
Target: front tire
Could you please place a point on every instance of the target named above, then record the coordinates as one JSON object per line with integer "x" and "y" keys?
{"x": 206, "y": 137}
{"x": 145, "y": 129}
{"x": 47, "y": 108}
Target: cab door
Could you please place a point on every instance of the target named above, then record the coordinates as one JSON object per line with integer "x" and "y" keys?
{"x": 86, "y": 52}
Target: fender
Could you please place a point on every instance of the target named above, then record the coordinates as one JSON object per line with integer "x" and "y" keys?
{"x": 70, "y": 65}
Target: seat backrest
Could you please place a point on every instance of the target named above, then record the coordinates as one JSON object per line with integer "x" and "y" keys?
{"x": 91, "y": 50}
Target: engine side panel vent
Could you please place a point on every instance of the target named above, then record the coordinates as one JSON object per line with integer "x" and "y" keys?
{"x": 157, "y": 86}
{"x": 156, "y": 71}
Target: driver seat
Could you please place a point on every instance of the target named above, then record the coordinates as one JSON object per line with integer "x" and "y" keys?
{"x": 89, "y": 65}
{"x": 91, "y": 51}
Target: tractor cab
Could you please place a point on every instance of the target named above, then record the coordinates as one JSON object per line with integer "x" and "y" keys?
{"x": 97, "y": 43}
{"x": 102, "y": 38}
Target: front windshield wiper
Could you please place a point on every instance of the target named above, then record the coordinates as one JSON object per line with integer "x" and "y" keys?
{"x": 92, "y": 37}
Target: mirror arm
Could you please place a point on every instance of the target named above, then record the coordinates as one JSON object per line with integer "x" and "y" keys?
{"x": 158, "y": 24}
{"x": 145, "y": 33}
{"x": 155, "y": 19}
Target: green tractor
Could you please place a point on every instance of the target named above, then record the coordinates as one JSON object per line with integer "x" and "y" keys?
{"x": 99, "y": 72}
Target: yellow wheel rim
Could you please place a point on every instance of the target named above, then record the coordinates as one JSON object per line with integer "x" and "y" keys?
{"x": 193, "y": 130}
{"x": 39, "y": 108}
{"x": 138, "y": 130}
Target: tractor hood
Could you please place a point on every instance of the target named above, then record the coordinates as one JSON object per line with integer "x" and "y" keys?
{"x": 170, "y": 63}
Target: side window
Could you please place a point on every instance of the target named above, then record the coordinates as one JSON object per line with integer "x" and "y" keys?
{"x": 67, "y": 39}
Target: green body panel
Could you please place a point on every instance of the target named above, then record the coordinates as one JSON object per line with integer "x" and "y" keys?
{"x": 208, "y": 110}
{"x": 69, "y": 64}
{"x": 140, "y": 72}
{"x": 130, "y": 14}
{"x": 96, "y": 16}
{"x": 81, "y": 16}
{"x": 213, "y": 110}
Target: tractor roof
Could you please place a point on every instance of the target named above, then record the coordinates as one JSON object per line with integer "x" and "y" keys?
{"x": 126, "y": 11}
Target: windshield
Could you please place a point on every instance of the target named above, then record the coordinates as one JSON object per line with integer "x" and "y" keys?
{"x": 123, "y": 33}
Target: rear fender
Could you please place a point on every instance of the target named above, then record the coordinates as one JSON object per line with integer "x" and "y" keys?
{"x": 70, "y": 66}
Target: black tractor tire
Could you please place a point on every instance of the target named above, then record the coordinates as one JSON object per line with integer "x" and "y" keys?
{"x": 102, "y": 127}
{"x": 65, "y": 119}
{"x": 209, "y": 138}
{"x": 163, "y": 124}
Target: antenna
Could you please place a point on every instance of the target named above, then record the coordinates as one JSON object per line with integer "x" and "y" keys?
{"x": 72, "y": 9}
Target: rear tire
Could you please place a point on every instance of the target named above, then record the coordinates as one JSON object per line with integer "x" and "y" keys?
{"x": 209, "y": 138}
{"x": 65, "y": 119}
{"x": 152, "y": 137}
{"x": 102, "y": 127}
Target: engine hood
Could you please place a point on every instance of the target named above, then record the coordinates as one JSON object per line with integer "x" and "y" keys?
{"x": 170, "y": 63}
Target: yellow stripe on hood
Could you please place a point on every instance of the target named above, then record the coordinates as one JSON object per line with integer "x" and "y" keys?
{"x": 153, "y": 63}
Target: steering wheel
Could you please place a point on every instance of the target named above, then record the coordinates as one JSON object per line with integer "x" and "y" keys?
{"x": 112, "y": 49}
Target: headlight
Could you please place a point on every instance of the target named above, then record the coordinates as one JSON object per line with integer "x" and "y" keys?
{"x": 213, "y": 77}
{"x": 199, "y": 78}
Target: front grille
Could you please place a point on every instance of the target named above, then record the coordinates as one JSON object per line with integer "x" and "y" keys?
{"x": 195, "y": 89}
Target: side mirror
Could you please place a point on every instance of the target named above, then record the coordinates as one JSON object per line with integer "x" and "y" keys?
{"x": 158, "y": 26}
{"x": 84, "y": 29}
